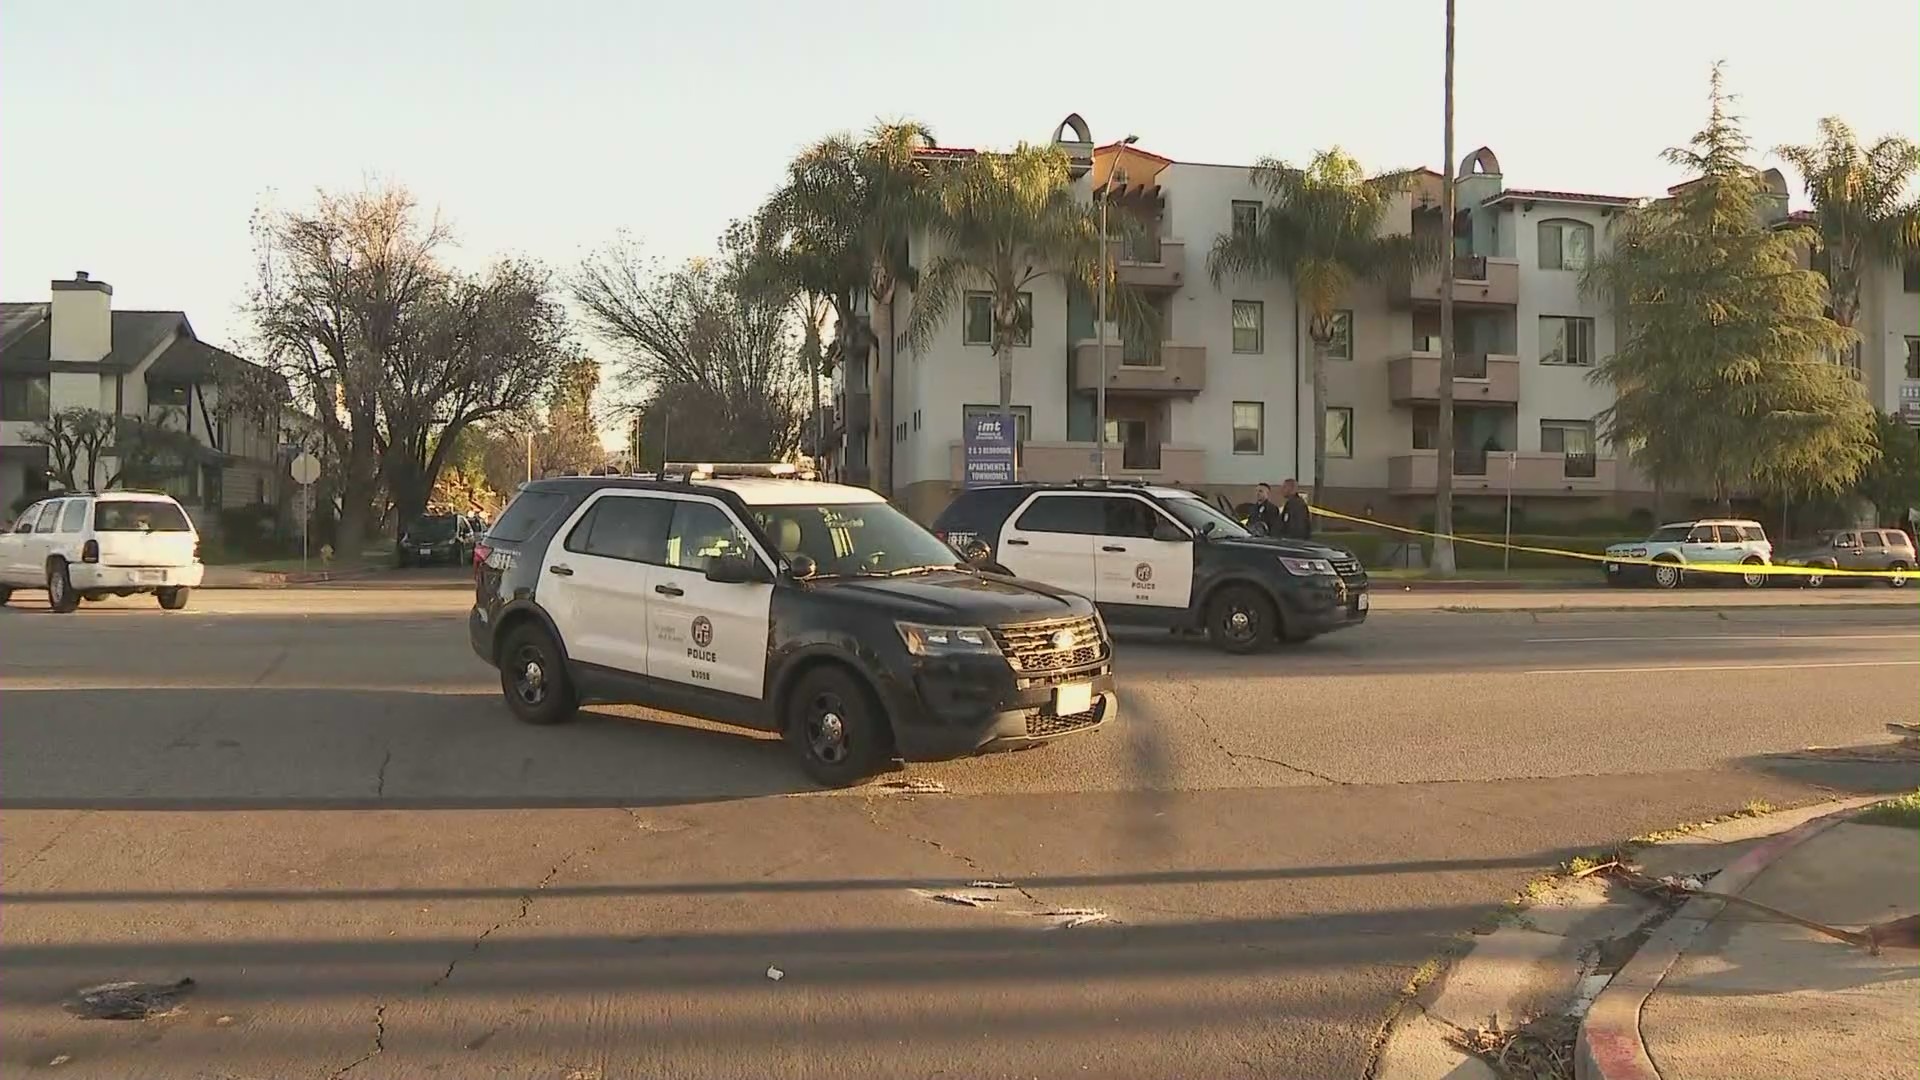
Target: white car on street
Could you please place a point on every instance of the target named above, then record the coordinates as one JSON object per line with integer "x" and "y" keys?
{"x": 95, "y": 545}
{"x": 1665, "y": 556}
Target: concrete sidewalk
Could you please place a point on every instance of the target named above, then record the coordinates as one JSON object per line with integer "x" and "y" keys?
{"x": 1753, "y": 998}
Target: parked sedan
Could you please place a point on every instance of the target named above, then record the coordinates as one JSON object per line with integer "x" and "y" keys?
{"x": 1855, "y": 549}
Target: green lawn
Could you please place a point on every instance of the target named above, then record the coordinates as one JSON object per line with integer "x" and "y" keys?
{"x": 1903, "y": 812}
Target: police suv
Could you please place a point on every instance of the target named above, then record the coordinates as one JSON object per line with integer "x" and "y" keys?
{"x": 1159, "y": 556}
{"x": 746, "y": 595}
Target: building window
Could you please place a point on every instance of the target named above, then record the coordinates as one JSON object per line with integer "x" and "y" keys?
{"x": 1566, "y": 245}
{"x": 25, "y": 398}
{"x": 166, "y": 394}
{"x": 1246, "y": 217}
{"x": 1249, "y": 326}
{"x": 1022, "y": 418}
{"x": 1249, "y": 427}
{"x": 1566, "y": 339}
{"x": 1850, "y": 359}
{"x": 1910, "y": 274}
{"x": 979, "y": 319}
{"x": 1340, "y": 346}
{"x": 1913, "y": 358}
{"x": 1426, "y": 427}
{"x": 1340, "y": 432}
{"x": 1568, "y": 437}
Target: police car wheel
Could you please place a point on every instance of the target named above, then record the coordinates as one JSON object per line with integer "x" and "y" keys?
{"x": 837, "y": 729}
{"x": 1241, "y": 620}
{"x": 534, "y": 678}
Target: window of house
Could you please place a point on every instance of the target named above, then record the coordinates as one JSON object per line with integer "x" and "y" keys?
{"x": 1851, "y": 360}
{"x": 1566, "y": 339}
{"x": 1249, "y": 427}
{"x": 1570, "y": 437}
{"x": 166, "y": 394}
{"x": 1566, "y": 245}
{"x": 25, "y": 398}
{"x": 1022, "y": 418}
{"x": 1426, "y": 427}
{"x": 1341, "y": 345}
{"x": 979, "y": 319}
{"x": 1913, "y": 358}
{"x": 1910, "y": 274}
{"x": 1249, "y": 326}
{"x": 1340, "y": 432}
{"x": 1246, "y": 217}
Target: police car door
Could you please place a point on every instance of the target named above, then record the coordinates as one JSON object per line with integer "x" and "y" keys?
{"x": 1144, "y": 557}
{"x": 595, "y": 584}
{"x": 1050, "y": 540}
{"x": 706, "y": 633}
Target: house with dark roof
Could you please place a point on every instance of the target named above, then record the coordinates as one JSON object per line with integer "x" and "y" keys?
{"x": 75, "y": 350}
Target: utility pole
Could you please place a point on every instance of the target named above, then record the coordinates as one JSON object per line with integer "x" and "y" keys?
{"x": 1443, "y": 562}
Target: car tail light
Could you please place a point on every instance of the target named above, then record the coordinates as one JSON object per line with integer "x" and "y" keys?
{"x": 90, "y": 551}
{"x": 481, "y": 552}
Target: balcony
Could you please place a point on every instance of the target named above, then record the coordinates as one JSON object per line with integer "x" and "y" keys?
{"x": 1150, "y": 262}
{"x": 1478, "y": 378}
{"x": 1484, "y": 472}
{"x": 1478, "y": 279}
{"x": 1169, "y": 369}
{"x": 1062, "y": 461}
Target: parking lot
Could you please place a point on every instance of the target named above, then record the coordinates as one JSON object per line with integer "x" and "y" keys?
{"x": 312, "y": 802}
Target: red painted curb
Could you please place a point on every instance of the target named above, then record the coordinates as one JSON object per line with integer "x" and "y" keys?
{"x": 1609, "y": 1046}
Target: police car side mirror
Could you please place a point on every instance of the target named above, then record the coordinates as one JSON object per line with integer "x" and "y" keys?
{"x": 736, "y": 570}
{"x": 976, "y": 553}
{"x": 801, "y": 567}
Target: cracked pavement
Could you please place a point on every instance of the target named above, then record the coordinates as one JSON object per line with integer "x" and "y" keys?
{"x": 312, "y": 803}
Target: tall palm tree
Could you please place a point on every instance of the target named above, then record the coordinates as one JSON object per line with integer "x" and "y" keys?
{"x": 1005, "y": 222}
{"x": 1859, "y": 206}
{"x": 1321, "y": 230}
{"x": 842, "y": 221}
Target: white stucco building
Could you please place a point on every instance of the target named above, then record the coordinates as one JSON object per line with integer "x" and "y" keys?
{"x": 1223, "y": 400}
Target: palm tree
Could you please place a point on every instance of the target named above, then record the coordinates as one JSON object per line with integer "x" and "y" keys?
{"x": 841, "y": 223}
{"x": 1005, "y": 222}
{"x": 1321, "y": 230}
{"x": 1859, "y": 208}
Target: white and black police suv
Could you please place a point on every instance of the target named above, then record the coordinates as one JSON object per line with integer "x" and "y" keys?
{"x": 1159, "y": 556}
{"x": 745, "y": 595}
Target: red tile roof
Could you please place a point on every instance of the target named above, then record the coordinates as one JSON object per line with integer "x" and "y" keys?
{"x": 1537, "y": 195}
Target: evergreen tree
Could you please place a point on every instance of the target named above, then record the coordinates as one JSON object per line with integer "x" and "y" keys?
{"x": 1725, "y": 376}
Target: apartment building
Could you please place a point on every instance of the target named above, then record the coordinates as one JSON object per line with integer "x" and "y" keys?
{"x": 1223, "y": 401}
{"x": 74, "y": 350}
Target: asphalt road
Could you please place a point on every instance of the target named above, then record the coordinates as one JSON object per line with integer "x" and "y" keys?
{"x": 311, "y": 802}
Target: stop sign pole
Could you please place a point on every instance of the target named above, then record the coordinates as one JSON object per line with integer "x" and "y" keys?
{"x": 305, "y": 470}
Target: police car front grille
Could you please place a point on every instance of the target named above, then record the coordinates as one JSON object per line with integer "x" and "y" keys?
{"x": 1043, "y": 721}
{"x": 1031, "y": 648}
{"x": 1346, "y": 567}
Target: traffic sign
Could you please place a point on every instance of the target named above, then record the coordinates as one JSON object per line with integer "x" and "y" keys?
{"x": 306, "y": 469}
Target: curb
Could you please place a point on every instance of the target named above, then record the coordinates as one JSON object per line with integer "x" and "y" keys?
{"x": 1609, "y": 1046}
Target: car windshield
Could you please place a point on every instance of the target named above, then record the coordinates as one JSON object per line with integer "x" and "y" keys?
{"x": 1196, "y": 514}
{"x": 139, "y": 515}
{"x": 853, "y": 540}
{"x": 1671, "y": 534}
{"x": 432, "y": 530}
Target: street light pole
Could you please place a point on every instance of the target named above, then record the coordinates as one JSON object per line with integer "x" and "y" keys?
{"x": 1106, "y": 281}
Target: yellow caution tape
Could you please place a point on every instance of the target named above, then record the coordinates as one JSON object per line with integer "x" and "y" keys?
{"x": 1775, "y": 569}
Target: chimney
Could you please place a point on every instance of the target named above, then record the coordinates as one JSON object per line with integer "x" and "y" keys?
{"x": 81, "y": 318}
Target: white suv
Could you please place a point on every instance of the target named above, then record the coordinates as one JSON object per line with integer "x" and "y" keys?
{"x": 1673, "y": 547}
{"x": 98, "y": 544}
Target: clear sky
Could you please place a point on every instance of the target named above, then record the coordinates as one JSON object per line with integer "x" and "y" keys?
{"x": 139, "y": 136}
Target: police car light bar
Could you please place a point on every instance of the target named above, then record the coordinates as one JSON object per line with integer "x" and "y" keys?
{"x": 737, "y": 469}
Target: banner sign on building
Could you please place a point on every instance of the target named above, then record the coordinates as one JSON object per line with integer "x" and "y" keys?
{"x": 988, "y": 446}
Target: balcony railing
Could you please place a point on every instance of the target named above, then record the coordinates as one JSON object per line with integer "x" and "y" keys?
{"x": 1469, "y": 365}
{"x": 1470, "y": 268}
{"x": 1140, "y": 353}
{"x": 1580, "y": 466}
{"x": 1143, "y": 248}
{"x": 1469, "y": 463}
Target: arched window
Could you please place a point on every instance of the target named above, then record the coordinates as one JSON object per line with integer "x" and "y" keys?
{"x": 1565, "y": 245}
